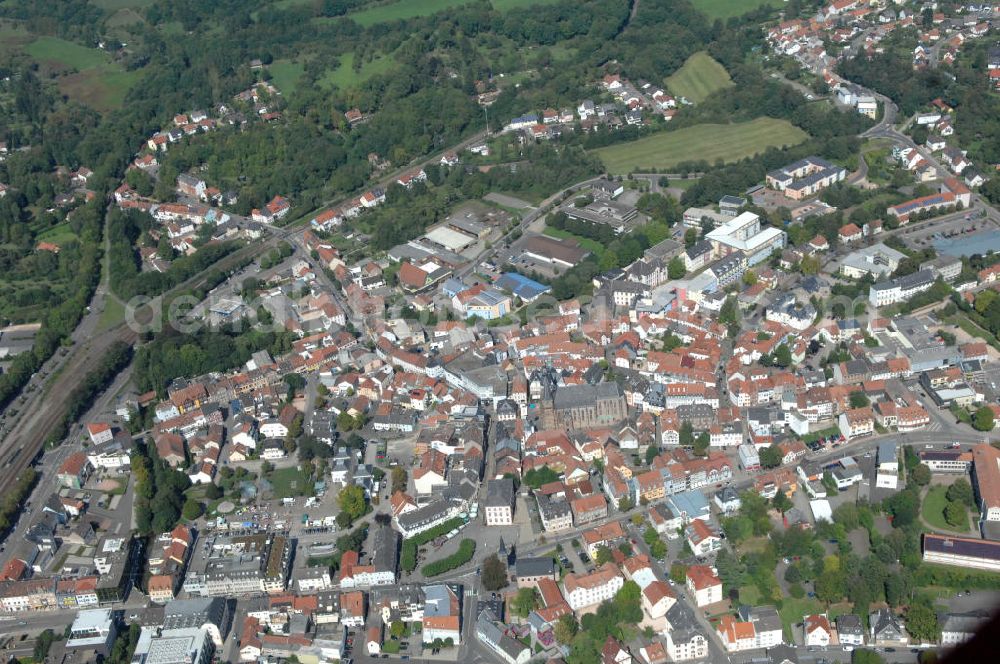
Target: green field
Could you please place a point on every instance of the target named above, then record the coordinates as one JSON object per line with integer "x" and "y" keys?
{"x": 285, "y": 75}
{"x": 593, "y": 246}
{"x": 699, "y": 77}
{"x": 708, "y": 142}
{"x": 61, "y": 54}
{"x": 290, "y": 482}
{"x": 113, "y": 5}
{"x": 404, "y": 9}
{"x": 102, "y": 88}
{"x": 86, "y": 74}
{"x": 728, "y": 8}
{"x": 344, "y": 75}
{"x": 933, "y": 509}
{"x": 59, "y": 234}
{"x": 112, "y": 315}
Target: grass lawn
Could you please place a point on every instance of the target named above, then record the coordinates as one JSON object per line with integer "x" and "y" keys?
{"x": 728, "y": 8}
{"x": 290, "y": 482}
{"x": 683, "y": 183}
{"x": 112, "y": 5}
{"x": 64, "y": 54}
{"x": 102, "y": 88}
{"x": 403, "y": 9}
{"x": 59, "y": 234}
{"x": 344, "y": 75}
{"x": 973, "y": 330}
{"x": 124, "y": 17}
{"x": 753, "y": 545}
{"x": 505, "y": 5}
{"x": 593, "y": 246}
{"x": 699, "y": 77}
{"x": 708, "y": 142}
{"x": 114, "y": 313}
{"x": 792, "y": 611}
{"x": 94, "y": 79}
{"x": 285, "y": 75}
{"x": 13, "y": 36}
{"x": 933, "y": 509}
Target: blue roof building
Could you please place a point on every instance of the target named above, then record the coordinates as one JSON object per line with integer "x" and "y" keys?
{"x": 521, "y": 286}
{"x": 690, "y": 505}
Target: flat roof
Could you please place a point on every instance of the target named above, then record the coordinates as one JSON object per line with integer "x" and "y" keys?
{"x": 962, "y": 546}
{"x": 450, "y": 239}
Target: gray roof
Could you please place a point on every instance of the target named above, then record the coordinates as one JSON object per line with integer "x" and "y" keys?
{"x": 963, "y": 623}
{"x": 780, "y": 654}
{"x": 194, "y": 612}
{"x": 683, "y": 623}
{"x": 577, "y": 396}
{"x": 437, "y": 600}
{"x": 425, "y": 514}
{"x": 699, "y": 248}
{"x": 884, "y": 621}
{"x": 535, "y": 566}
{"x": 886, "y": 451}
{"x": 850, "y": 623}
{"x": 385, "y": 549}
{"x": 500, "y": 493}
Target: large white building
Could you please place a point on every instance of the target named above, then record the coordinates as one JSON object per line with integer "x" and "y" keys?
{"x": 93, "y": 629}
{"x": 499, "y": 503}
{"x": 586, "y": 590}
{"x": 805, "y": 178}
{"x": 962, "y": 552}
{"x": 684, "y": 638}
{"x": 878, "y": 260}
{"x": 442, "y": 614}
{"x": 704, "y": 585}
{"x": 744, "y": 233}
{"x": 902, "y": 289}
{"x": 757, "y": 627}
{"x": 986, "y": 476}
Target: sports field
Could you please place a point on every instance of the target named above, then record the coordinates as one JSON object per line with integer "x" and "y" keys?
{"x": 708, "y": 142}
{"x": 728, "y": 8}
{"x": 700, "y": 76}
{"x": 403, "y": 9}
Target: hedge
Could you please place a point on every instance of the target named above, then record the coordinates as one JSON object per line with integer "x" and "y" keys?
{"x": 930, "y": 574}
{"x": 466, "y": 550}
{"x": 408, "y": 554}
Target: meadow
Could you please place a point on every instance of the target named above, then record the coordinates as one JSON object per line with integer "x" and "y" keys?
{"x": 114, "y": 5}
{"x": 61, "y": 54}
{"x": 344, "y": 75}
{"x": 285, "y": 75}
{"x": 724, "y": 9}
{"x": 700, "y": 76}
{"x": 707, "y": 142}
{"x": 403, "y": 9}
{"x": 87, "y": 75}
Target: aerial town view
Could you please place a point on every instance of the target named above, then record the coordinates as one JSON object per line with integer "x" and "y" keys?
{"x": 499, "y": 331}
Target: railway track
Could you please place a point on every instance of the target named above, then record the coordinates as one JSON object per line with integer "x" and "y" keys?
{"x": 44, "y": 411}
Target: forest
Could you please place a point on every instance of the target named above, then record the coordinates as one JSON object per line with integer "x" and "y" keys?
{"x": 174, "y": 354}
